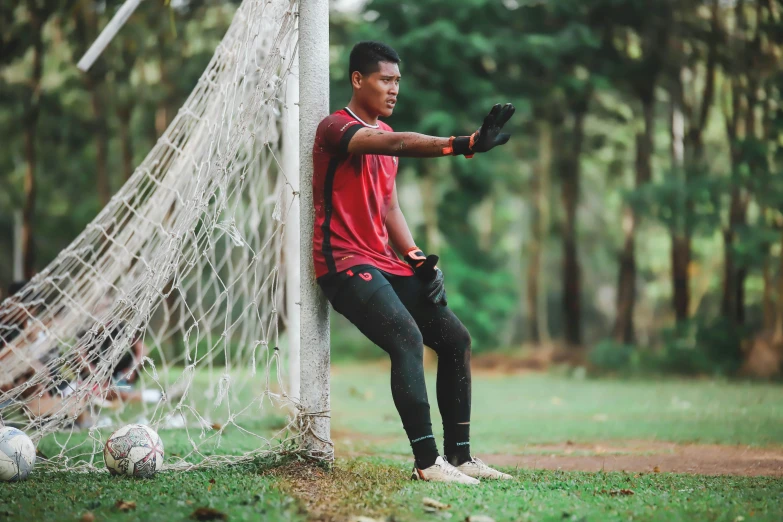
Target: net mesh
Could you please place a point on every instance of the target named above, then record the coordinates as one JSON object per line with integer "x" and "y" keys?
{"x": 168, "y": 309}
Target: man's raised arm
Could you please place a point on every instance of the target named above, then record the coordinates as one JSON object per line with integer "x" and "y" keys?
{"x": 412, "y": 144}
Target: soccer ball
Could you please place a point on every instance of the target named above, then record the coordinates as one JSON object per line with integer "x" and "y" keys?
{"x": 134, "y": 450}
{"x": 17, "y": 454}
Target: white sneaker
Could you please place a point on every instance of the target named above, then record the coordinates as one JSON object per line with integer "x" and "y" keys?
{"x": 442, "y": 471}
{"x": 478, "y": 469}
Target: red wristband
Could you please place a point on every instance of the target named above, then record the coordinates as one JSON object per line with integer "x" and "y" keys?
{"x": 447, "y": 151}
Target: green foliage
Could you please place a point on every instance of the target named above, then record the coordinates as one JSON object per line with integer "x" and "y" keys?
{"x": 700, "y": 347}
{"x": 610, "y": 356}
{"x": 691, "y": 348}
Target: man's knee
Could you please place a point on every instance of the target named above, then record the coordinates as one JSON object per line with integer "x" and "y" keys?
{"x": 459, "y": 344}
{"x": 465, "y": 343}
{"x": 413, "y": 348}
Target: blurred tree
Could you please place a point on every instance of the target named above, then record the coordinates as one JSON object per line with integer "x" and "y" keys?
{"x": 87, "y": 22}
{"x": 635, "y": 56}
{"x": 22, "y": 38}
{"x": 696, "y": 47}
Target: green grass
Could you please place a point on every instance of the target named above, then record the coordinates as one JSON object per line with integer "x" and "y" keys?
{"x": 553, "y": 495}
{"x": 509, "y": 413}
{"x": 240, "y": 493}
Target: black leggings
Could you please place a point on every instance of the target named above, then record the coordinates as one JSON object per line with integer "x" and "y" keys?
{"x": 393, "y": 313}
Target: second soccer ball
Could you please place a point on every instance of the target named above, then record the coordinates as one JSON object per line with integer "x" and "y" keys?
{"x": 134, "y": 450}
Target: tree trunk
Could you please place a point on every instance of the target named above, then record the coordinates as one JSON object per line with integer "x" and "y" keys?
{"x": 626, "y": 286}
{"x": 536, "y": 294}
{"x": 28, "y": 212}
{"x": 778, "y": 332}
{"x": 572, "y": 313}
{"x": 101, "y": 140}
{"x": 733, "y": 297}
{"x": 680, "y": 237}
{"x": 681, "y": 259}
{"x": 124, "y": 116}
{"x": 687, "y": 160}
{"x": 31, "y": 112}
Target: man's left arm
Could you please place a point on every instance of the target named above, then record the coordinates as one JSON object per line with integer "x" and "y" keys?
{"x": 399, "y": 234}
{"x": 402, "y": 240}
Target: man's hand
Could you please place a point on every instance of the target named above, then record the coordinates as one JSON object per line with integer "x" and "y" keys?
{"x": 488, "y": 136}
{"x": 425, "y": 268}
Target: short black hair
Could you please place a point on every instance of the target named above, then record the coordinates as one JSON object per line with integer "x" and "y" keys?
{"x": 365, "y": 57}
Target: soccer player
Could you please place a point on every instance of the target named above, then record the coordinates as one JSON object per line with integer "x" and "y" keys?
{"x": 398, "y": 305}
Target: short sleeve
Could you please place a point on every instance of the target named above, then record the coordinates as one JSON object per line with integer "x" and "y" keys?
{"x": 336, "y": 131}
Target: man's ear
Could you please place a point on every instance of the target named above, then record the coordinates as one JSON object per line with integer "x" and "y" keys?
{"x": 356, "y": 80}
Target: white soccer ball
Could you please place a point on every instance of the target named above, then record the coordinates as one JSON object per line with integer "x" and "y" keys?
{"x": 17, "y": 454}
{"x": 134, "y": 450}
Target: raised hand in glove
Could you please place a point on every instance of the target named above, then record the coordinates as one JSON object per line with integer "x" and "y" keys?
{"x": 487, "y": 137}
{"x": 425, "y": 268}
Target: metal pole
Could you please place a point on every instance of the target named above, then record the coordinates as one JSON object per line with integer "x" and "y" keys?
{"x": 314, "y": 106}
{"x": 108, "y": 33}
{"x": 292, "y": 226}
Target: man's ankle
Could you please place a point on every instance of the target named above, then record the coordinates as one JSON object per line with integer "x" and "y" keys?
{"x": 458, "y": 458}
{"x": 425, "y": 461}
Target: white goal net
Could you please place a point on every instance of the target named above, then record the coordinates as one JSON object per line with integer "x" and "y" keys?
{"x": 168, "y": 309}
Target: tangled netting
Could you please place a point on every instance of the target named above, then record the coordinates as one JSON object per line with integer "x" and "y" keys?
{"x": 167, "y": 309}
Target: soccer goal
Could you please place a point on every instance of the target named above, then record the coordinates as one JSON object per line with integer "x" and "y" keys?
{"x": 183, "y": 305}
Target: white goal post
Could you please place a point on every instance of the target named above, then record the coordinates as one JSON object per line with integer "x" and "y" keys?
{"x": 314, "y": 106}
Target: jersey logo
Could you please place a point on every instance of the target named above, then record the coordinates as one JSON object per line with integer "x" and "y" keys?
{"x": 394, "y": 160}
{"x": 366, "y": 276}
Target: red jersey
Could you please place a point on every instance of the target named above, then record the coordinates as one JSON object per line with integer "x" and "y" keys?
{"x": 351, "y": 194}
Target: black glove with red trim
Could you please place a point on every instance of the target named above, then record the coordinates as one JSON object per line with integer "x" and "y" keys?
{"x": 487, "y": 137}
{"x": 425, "y": 268}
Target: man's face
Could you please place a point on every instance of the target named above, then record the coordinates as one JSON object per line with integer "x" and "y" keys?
{"x": 378, "y": 91}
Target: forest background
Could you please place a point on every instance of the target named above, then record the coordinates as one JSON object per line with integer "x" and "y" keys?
{"x": 632, "y": 225}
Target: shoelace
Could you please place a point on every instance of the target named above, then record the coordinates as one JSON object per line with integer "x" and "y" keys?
{"x": 478, "y": 462}
{"x": 448, "y": 469}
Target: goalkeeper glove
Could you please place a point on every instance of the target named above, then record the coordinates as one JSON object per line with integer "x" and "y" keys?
{"x": 487, "y": 137}
{"x": 425, "y": 268}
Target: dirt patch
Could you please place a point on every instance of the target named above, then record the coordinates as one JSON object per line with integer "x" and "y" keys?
{"x": 631, "y": 456}
{"x": 338, "y": 494}
{"x": 529, "y": 360}
{"x": 656, "y": 458}
{"x": 308, "y": 483}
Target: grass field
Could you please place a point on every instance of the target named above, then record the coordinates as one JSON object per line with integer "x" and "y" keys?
{"x": 513, "y": 416}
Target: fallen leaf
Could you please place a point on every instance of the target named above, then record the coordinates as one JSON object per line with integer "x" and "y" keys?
{"x": 656, "y": 469}
{"x": 432, "y": 503}
{"x": 616, "y": 492}
{"x": 207, "y": 513}
{"x": 216, "y": 426}
{"x": 479, "y": 518}
{"x": 88, "y": 517}
{"x": 211, "y": 481}
{"x": 124, "y": 505}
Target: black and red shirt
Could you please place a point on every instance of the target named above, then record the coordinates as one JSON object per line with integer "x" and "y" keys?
{"x": 352, "y": 195}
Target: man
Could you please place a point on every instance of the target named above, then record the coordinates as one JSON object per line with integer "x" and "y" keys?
{"x": 400, "y": 306}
